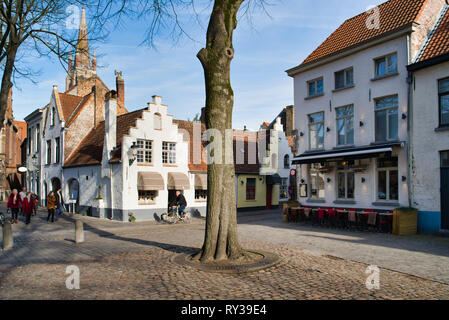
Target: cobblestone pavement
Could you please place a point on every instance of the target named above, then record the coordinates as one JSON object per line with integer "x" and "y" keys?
{"x": 130, "y": 261}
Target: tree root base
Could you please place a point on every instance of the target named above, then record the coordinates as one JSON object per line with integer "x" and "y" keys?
{"x": 248, "y": 261}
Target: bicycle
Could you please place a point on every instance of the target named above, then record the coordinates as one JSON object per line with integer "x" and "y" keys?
{"x": 172, "y": 217}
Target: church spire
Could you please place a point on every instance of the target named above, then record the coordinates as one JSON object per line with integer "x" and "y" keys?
{"x": 82, "y": 58}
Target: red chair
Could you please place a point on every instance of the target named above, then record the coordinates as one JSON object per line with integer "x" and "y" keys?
{"x": 293, "y": 215}
{"x": 332, "y": 215}
{"x": 321, "y": 216}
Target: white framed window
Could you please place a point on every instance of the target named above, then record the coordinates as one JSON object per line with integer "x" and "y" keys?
{"x": 286, "y": 161}
{"x": 386, "y": 65}
{"x": 345, "y": 181}
{"x": 344, "y": 78}
{"x": 144, "y": 151}
{"x": 316, "y": 130}
{"x": 387, "y": 121}
{"x": 200, "y": 195}
{"x": 148, "y": 197}
{"x": 52, "y": 116}
{"x": 57, "y": 150}
{"x": 315, "y": 87}
{"x": 48, "y": 160}
{"x": 168, "y": 153}
{"x": 316, "y": 182}
{"x": 387, "y": 179}
{"x": 345, "y": 125}
{"x": 443, "y": 95}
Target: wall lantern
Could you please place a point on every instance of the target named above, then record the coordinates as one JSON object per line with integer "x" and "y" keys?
{"x": 328, "y": 129}
{"x": 361, "y": 123}
{"x": 132, "y": 153}
{"x": 242, "y": 182}
{"x": 301, "y": 134}
{"x": 303, "y": 181}
{"x": 329, "y": 180}
{"x": 363, "y": 180}
{"x": 404, "y": 178}
{"x": 404, "y": 116}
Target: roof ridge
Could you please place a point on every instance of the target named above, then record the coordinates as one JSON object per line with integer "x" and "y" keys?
{"x": 432, "y": 33}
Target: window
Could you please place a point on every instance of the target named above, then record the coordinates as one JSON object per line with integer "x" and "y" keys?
{"x": 200, "y": 195}
{"x": 315, "y": 87}
{"x": 283, "y": 192}
{"x": 168, "y": 153}
{"x": 157, "y": 121}
{"x": 38, "y": 138}
{"x": 316, "y": 182}
{"x": 344, "y": 78}
{"x": 387, "y": 118}
{"x": 29, "y": 141}
{"x": 57, "y": 150}
{"x": 147, "y": 197}
{"x": 144, "y": 151}
{"x": 387, "y": 65}
{"x": 316, "y": 130}
{"x": 443, "y": 92}
{"x": 387, "y": 179}
{"x": 52, "y": 116}
{"x": 251, "y": 189}
{"x": 444, "y": 159}
{"x": 345, "y": 181}
{"x": 48, "y": 152}
{"x": 345, "y": 125}
{"x": 287, "y": 162}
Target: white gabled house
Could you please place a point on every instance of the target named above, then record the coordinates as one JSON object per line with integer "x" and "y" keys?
{"x": 352, "y": 109}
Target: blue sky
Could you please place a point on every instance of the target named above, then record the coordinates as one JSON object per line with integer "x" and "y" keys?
{"x": 264, "y": 48}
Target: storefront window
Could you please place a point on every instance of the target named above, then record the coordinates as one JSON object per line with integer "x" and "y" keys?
{"x": 387, "y": 179}
{"x": 147, "y": 197}
{"x": 200, "y": 194}
{"x": 251, "y": 189}
{"x": 316, "y": 182}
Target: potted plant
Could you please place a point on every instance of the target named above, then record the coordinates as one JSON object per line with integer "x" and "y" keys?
{"x": 131, "y": 218}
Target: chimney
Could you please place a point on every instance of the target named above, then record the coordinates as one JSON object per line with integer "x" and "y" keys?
{"x": 110, "y": 122}
{"x": 157, "y": 100}
{"x": 120, "y": 86}
{"x": 290, "y": 120}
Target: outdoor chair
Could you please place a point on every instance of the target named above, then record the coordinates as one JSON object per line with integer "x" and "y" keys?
{"x": 321, "y": 217}
{"x": 332, "y": 217}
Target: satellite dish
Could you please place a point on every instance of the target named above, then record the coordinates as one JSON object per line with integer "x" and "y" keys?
{"x": 22, "y": 169}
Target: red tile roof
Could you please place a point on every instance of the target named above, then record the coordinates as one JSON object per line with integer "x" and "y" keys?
{"x": 90, "y": 150}
{"x": 188, "y": 126}
{"x": 438, "y": 43}
{"x": 70, "y": 104}
{"x": 394, "y": 14}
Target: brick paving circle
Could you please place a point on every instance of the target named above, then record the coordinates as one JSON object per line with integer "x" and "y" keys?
{"x": 265, "y": 260}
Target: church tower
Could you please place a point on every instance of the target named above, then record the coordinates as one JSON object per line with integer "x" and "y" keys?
{"x": 82, "y": 68}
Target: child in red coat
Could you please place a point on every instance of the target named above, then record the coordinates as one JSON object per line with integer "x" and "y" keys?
{"x": 14, "y": 203}
{"x": 28, "y": 207}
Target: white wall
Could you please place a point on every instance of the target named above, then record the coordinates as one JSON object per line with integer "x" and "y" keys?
{"x": 426, "y": 142}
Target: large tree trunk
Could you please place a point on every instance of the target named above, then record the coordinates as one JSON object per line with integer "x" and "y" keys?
{"x": 6, "y": 81}
{"x": 221, "y": 241}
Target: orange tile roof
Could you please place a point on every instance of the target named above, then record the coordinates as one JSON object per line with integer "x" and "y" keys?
{"x": 90, "y": 150}
{"x": 70, "y": 104}
{"x": 394, "y": 14}
{"x": 438, "y": 43}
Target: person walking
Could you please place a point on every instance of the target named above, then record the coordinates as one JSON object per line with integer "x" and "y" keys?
{"x": 23, "y": 194}
{"x": 59, "y": 204}
{"x": 28, "y": 207}
{"x": 14, "y": 203}
{"x": 51, "y": 206}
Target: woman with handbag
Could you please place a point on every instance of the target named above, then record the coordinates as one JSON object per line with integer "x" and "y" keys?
{"x": 51, "y": 206}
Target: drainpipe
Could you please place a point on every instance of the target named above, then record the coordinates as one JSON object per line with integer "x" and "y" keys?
{"x": 409, "y": 136}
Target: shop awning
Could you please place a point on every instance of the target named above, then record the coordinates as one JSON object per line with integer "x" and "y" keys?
{"x": 178, "y": 181}
{"x": 274, "y": 179}
{"x": 201, "y": 181}
{"x": 347, "y": 154}
{"x": 150, "y": 181}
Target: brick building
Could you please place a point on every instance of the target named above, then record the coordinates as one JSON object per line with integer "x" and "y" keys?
{"x": 12, "y": 136}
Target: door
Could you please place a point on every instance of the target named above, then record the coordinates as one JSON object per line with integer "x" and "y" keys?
{"x": 445, "y": 190}
{"x": 269, "y": 195}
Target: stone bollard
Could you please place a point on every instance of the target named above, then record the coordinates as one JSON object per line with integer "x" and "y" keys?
{"x": 8, "y": 241}
{"x": 79, "y": 232}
